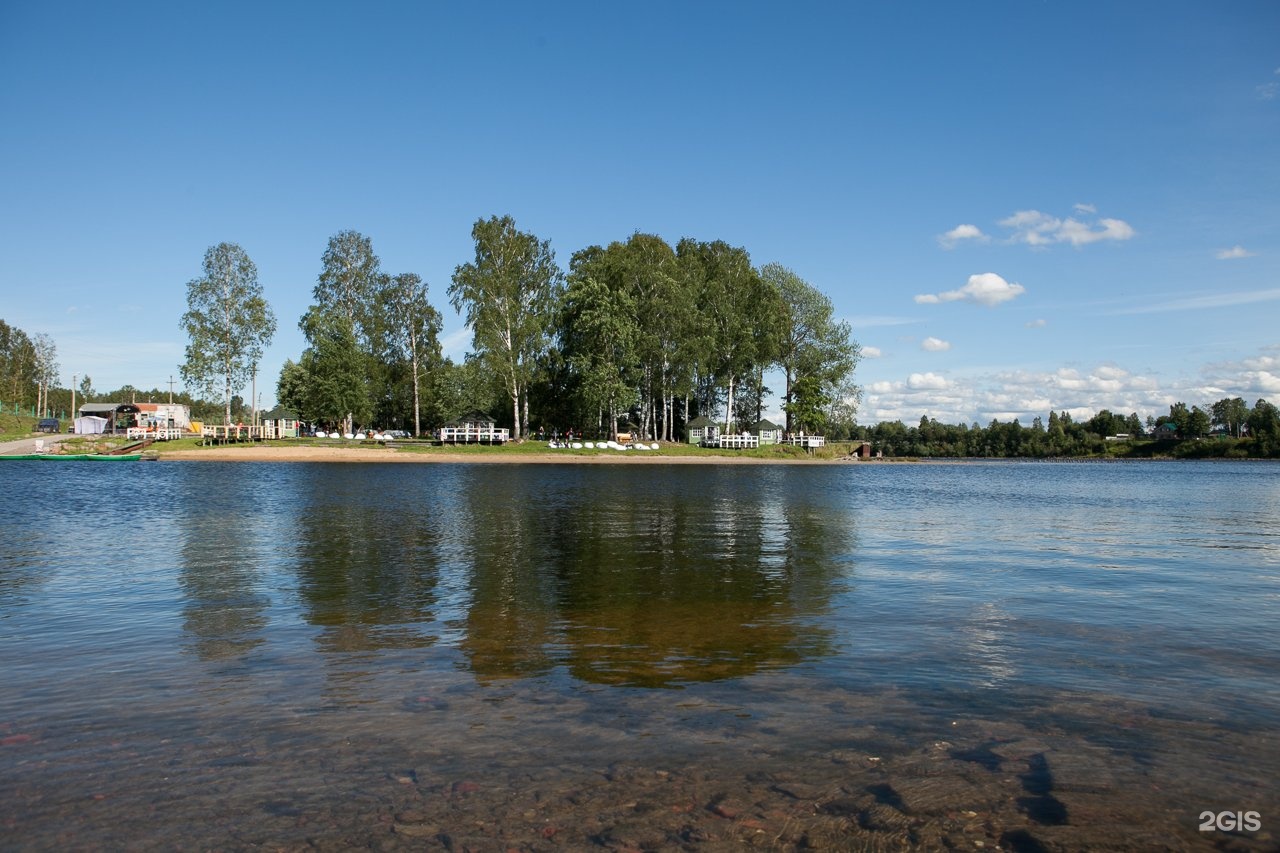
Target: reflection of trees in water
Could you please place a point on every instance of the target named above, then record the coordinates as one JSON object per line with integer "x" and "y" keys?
{"x": 650, "y": 576}
{"x": 224, "y": 610}
{"x": 367, "y": 562}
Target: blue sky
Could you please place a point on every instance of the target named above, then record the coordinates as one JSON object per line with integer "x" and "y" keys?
{"x": 1019, "y": 206}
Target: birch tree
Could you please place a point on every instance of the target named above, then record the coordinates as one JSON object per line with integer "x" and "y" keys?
{"x": 812, "y": 345}
{"x": 228, "y": 322}
{"x": 415, "y": 330}
{"x": 508, "y": 296}
{"x": 739, "y": 312}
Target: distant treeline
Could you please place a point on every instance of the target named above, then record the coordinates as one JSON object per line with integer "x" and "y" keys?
{"x": 1229, "y": 428}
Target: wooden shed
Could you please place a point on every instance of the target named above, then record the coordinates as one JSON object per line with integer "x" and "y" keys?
{"x": 280, "y": 423}
{"x": 767, "y": 431}
{"x": 703, "y": 430}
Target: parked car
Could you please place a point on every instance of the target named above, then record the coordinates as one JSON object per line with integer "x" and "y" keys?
{"x": 48, "y": 425}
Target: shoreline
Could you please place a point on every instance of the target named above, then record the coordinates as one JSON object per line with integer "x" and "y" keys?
{"x": 264, "y": 453}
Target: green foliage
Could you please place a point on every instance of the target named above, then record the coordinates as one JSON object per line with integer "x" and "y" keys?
{"x": 18, "y": 366}
{"x": 508, "y": 295}
{"x": 336, "y": 379}
{"x": 811, "y": 345}
{"x": 740, "y": 313}
{"x": 228, "y": 322}
{"x": 1230, "y": 413}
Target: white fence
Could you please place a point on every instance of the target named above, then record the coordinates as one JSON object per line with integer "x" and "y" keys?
{"x": 159, "y": 434}
{"x": 472, "y": 435}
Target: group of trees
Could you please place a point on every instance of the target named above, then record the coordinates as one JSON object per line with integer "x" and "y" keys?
{"x": 1236, "y": 429}
{"x": 28, "y": 368}
{"x": 637, "y": 333}
{"x": 373, "y": 340}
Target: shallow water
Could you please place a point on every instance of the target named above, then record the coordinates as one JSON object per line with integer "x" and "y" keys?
{"x": 1029, "y": 655}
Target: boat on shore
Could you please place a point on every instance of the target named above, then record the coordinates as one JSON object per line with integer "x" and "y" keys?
{"x": 89, "y": 457}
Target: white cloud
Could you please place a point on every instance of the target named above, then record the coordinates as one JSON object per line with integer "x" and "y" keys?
{"x": 1258, "y": 376}
{"x": 953, "y": 237}
{"x": 1040, "y": 229}
{"x": 1036, "y": 324}
{"x": 932, "y": 344}
{"x": 927, "y": 382}
{"x": 871, "y": 352}
{"x": 1084, "y": 208}
{"x": 985, "y": 288}
{"x": 1023, "y": 395}
{"x": 1233, "y": 253}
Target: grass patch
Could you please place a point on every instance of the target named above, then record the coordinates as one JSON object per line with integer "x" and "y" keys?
{"x": 16, "y": 426}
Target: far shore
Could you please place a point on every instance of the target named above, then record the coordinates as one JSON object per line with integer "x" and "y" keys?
{"x": 277, "y": 453}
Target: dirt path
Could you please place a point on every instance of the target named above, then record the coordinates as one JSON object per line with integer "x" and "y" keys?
{"x": 23, "y": 446}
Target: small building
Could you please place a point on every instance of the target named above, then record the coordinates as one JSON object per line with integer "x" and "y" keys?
{"x": 472, "y": 428}
{"x": 1165, "y": 431}
{"x": 702, "y": 430}
{"x": 766, "y": 431}
{"x": 165, "y": 416}
{"x": 280, "y": 423}
{"x": 119, "y": 417}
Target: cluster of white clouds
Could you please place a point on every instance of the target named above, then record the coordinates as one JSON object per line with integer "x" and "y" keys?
{"x": 1025, "y": 395}
{"x": 985, "y": 288}
{"x": 1038, "y": 229}
{"x": 1234, "y": 253}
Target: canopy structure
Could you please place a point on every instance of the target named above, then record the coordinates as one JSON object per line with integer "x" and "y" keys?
{"x": 90, "y": 425}
{"x": 119, "y": 416}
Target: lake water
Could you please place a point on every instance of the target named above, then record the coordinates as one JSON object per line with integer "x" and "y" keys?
{"x": 1034, "y": 656}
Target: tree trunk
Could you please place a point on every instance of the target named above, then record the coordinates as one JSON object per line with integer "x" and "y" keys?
{"x": 728, "y": 413}
{"x": 413, "y": 354}
{"x": 787, "y": 408}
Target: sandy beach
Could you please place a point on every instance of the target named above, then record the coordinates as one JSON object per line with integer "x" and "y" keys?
{"x": 321, "y": 453}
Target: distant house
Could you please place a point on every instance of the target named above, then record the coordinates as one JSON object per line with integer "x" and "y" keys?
{"x": 703, "y": 430}
{"x": 280, "y": 423}
{"x": 164, "y": 415}
{"x": 472, "y": 428}
{"x": 1166, "y": 430}
{"x": 767, "y": 431}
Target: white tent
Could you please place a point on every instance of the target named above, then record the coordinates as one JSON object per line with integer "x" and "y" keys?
{"x": 90, "y": 425}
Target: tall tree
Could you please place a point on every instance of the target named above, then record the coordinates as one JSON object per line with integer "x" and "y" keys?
{"x": 811, "y": 343}
{"x": 348, "y": 301}
{"x": 228, "y": 322}
{"x": 336, "y": 381}
{"x": 415, "y": 332}
{"x": 17, "y": 365}
{"x": 599, "y": 335}
{"x": 740, "y": 312}
{"x": 508, "y": 295}
{"x": 46, "y": 368}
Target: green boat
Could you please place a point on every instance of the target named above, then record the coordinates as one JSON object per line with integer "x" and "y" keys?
{"x": 89, "y": 457}
{"x": 21, "y": 456}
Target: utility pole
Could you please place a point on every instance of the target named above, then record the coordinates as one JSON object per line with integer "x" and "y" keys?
{"x": 74, "y": 377}
{"x": 170, "y": 389}
{"x": 254, "y": 399}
